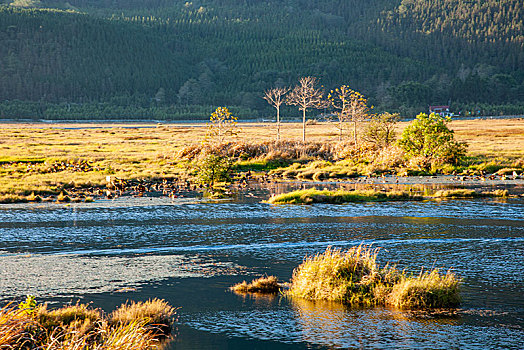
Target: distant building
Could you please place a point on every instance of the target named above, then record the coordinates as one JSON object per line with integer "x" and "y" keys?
{"x": 442, "y": 110}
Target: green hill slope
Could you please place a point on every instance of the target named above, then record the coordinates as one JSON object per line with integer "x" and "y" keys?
{"x": 165, "y": 59}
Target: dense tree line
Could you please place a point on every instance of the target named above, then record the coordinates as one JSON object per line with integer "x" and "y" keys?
{"x": 159, "y": 57}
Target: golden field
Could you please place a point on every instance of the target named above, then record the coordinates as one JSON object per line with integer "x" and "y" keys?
{"x": 149, "y": 150}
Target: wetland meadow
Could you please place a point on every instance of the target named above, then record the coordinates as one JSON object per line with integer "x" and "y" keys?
{"x": 113, "y": 226}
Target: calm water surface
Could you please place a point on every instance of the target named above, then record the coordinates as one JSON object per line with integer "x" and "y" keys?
{"x": 189, "y": 252}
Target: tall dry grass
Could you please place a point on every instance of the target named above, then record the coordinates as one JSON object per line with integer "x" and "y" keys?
{"x": 135, "y": 326}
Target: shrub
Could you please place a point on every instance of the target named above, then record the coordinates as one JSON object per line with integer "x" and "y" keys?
{"x": 430, "y": 140}
{"x": 214, "y": 168}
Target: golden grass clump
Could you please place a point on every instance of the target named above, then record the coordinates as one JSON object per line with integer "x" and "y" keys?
{"x": 340, "y": 196}
{"x": 136, "y": 326}
{"x": 336, "y": 275}
{"x": 266, "y": 285}
{"x": 428, "y": 290}
{"x": 156, "y": 313}
{"x": 354, "y": 277}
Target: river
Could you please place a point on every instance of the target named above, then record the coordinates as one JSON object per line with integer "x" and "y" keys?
{"x": 189, "y": 252}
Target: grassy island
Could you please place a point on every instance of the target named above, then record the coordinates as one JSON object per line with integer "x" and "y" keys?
{"x": 355, "y": 278}
{"x": 313, "y": 195}
{"x": 340, "y": 196}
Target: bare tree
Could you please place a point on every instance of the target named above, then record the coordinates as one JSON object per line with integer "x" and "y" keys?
{"x": 305, "y": 96}
{"x": 340, "y": 101}
{"x": 380, "y": 131}
{"x": 275, "y": 97}
{"x": 358, "y": 110}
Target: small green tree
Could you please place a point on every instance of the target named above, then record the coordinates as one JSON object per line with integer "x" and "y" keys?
{"x": 380, "y": 130}
{"x": 214, "y": 168}
{"x": 222, "y": 124}
{"x": 429, "y": 138}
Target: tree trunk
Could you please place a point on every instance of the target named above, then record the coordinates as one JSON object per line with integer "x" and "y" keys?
{"x": 355, "y": 133}
{"x": 304, "y": 125}
{"x": 278, "y": 124}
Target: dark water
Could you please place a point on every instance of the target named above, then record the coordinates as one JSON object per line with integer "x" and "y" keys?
{"x": 189, "y": 253}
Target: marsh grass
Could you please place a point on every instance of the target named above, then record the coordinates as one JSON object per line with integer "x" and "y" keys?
{"x": 156, "y": 314}
{"x": 134, "y": 326}
{"x": 263, "y": 285}
{"x": 354, "y": 277}
{"x": 465, "y": 193}
{"x": 427, "y": 290}
{"x": 313, "y": 195}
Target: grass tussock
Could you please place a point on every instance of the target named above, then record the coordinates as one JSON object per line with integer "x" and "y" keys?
{"x": 135, "y": 326}
{"x": 265, "y": 285}
{"x": 428, "y": 290}
{"x": 313, "y": 195}
{"x": 354, "y": 277}
{"x": 156, "y": 313}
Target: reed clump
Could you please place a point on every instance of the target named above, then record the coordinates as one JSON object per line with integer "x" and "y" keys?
{"x": 263, "y": 285}
{"x": 313, "y": 195}
{"x": 135, "y": 326}
{"x": 354, "y": 277}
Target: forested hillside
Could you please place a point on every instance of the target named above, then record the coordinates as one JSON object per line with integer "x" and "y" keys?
{"x": 175, "y": 59}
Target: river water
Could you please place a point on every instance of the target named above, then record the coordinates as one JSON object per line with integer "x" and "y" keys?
{"x": 189, "y": 252}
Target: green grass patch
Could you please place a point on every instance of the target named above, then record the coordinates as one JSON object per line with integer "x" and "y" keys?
{"x": 260, "y": 165}
{"x": 354, "y": 277}
{"x": 313, "y": 195}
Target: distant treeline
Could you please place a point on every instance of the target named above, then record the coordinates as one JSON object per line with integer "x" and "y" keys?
{"x": 174, "y": 60}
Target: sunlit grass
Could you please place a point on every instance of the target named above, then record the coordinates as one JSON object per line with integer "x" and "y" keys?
{"x": 265, "y": 285}
{"x": 155, "y": 313}
{"x": 465, "y": 193}
{"x": 135, "y": 326}
{"x": 354, "y": 277}
{"x": 313, "y": 195}
{"x": 125, "y": 151}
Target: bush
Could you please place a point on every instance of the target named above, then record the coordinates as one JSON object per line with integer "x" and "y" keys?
{"x": 214, "y": 168}
{"x": 431, "y": 142}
